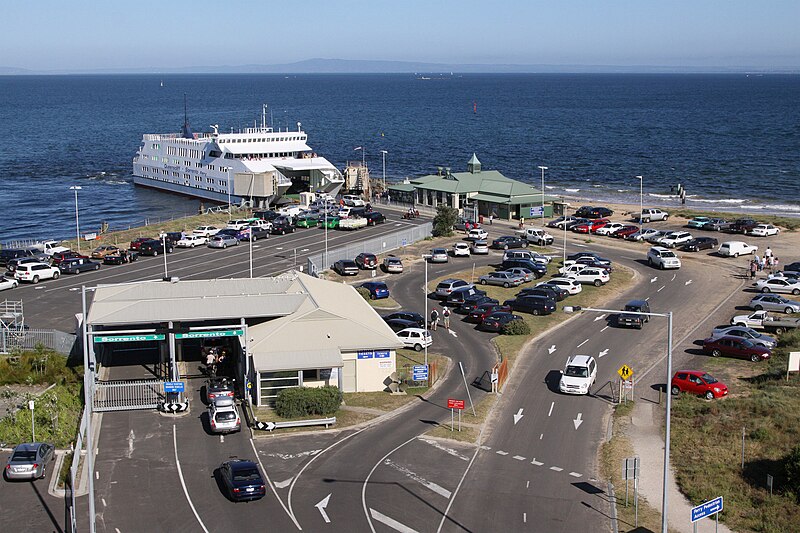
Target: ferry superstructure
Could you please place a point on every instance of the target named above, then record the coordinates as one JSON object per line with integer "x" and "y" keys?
{"x": 254, "y": 165}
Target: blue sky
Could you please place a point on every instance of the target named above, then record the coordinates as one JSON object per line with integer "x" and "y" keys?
{"x": 50, "y": 34}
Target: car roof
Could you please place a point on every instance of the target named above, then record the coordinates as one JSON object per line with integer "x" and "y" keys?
{"x": 580, "y": 360}
{"x": 412, "y": 330}
{"x": 637, "y": 303}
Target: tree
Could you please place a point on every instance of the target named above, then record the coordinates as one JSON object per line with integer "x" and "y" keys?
{"x": 444, "y": 221}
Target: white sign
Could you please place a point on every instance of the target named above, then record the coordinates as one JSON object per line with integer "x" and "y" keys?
{"x": 90, "y": 236}
{"x": 384, "y": 364}
{"x": 794, "y": 362}
{"x": 30, "y": 405}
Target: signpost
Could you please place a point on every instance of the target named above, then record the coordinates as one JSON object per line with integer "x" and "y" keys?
{"x": 129, "y": 338}
{"x": 630, "y": 470}
{"x": 174, "y": 386}
{"x": 419, "y": 373}
{"x": 708, "y": 508}
{"x": 454, "y": 405}
{"x": 210, "y": 334}
{"x": 625, "y": 372}
{"x": 626, "y": 383}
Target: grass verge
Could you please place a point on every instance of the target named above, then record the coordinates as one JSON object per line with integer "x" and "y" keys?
{"x": 784, "y": 222}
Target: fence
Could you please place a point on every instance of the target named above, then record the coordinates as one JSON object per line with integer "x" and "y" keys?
{"x": 125, "y": 395}
{"x": 378, "y": 245}
{"x": 28, "y": 339}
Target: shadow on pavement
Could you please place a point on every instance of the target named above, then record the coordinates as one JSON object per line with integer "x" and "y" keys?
{"x": 46, "y": 508}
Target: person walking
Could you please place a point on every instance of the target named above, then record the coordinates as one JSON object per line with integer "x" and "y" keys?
{"x": 434, "y": 319}
{"x": 446, "y": 315}
{"x": 210, "y": 360}
{"x": 753, "y": 268}
{"x": 491, "y": 219}
{"x": 768, "y": 253}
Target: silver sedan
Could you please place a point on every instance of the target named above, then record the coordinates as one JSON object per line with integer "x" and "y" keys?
{"x": 774, "y": 302}
{"x": 750, "y": 334}
{"x": 222, "y": 241}
{"x": 29, "y": 461}
{"x": 504, "y": 279}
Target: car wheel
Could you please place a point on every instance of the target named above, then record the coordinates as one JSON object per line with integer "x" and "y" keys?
{"x": 650, "y": 261}
{"x": 525, "y": 244}
{"x": 764, "y": 289}
{"x": 155, "y": 253}
{"x": 795, "y": 291}
{"x": 506, "y": 285}
{"x": 483, "y": 282}
{"x": 715, "y": 353}
{"x": 597, "y": 283}
{"x": 418, "y": 347}
{"x": 755, "y": 358}
{"x": 77, "y": 270}
{"x": 372, "y": 297}
{"x": 661, "y": 266}
{"x": 666, "y": 217}
{"x": 36, "y": 278}
{"x": 224, "y": 245}
{"x": 675, "y": 390}
{"x": 779, "y": 330}
{"x": 736, "y": 254}
{"x": 535, "y": 312}
{"x": 788, "y": 310}
{"x": 709, "y": 395}
{"x": 505, "y": 247}
{"x": 758, "y": 307}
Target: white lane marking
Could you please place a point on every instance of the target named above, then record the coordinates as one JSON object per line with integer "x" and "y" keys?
{"x": 304, "y": 250}
{"x": 518, "y": 458}
{"x": 551, "y": 408}
{"x": 537, "y": 463}
{"x": 501, "y": 452}
{"x": 372, "y": 471}
{"x": 97, "y": 475}
{"x": 283, "y": 484}
{"x": 391, "y": 522}
{"x": 183, "y": 483}
{"x": 486, "y": 447}
{"x": 556, "y": 469}
{"x": 321, "y": 505}
{"x": 600, "y": 317}
{"x": 279, "y": 248}
{"x": 438, "y": 489}
{"x": 517, "y": 416}
{"x": 541, "y": 436}
{"x": 272, "y": 488}
{"x": 647, "y": 299}
{"x": 117, "y": 530}
{"x": 528, "y": 484}
{"x": 653, "y": 279}
{"x": 662, "y": 288}
{"x": 445, "y": 449}
{"x": 575, "y": 474}
{"x": 581, "y": 344}
{"x": 453, "y": 333}
{"x": 605, "y": 328}
{"x": 103, "y": 501}
{"x": 525, "y": 518}
{"x": 293, "y": 455}
{"x": 673, "y": 277}
{"x": 604, "y": 352}
{"x": 222, "y": 439}
{"x": 131, "y": 438}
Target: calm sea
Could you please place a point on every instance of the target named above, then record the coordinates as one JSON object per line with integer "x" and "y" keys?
{"x": 731, "y": 140}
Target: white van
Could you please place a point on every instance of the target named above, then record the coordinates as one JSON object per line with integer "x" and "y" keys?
{"x": 736, "y": 248}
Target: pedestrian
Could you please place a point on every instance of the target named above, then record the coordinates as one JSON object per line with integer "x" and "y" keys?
{"x": 775, "y": 263}
{"x": 209, "y": 360}
{"x": 768, "y": 253}
{"x": 491, "y": 219}
{"x": 753, "y": 268}
{"x": 760, "y": 263}
{"x": 446, "y": 315}
{"x": 434, "y": 319}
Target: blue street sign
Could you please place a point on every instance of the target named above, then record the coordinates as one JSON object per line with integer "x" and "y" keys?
{"x": 174, "y": 386}
{"x": 536, "y": 211}
{"x": 707, "y": 509}
{"x": 420, "y": 373}
{"x": 382, "y": 354}
{"x": 366, "y": 354}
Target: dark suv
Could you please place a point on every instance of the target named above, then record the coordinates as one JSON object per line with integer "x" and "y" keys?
{"x": 742, "y": 225}
{"x": 536, "y": 267}
{"x": 546, "y": 292}
{"x": 282, "y": 225}
{"x": 628, "y": 320}
{"x": 535, "y": 305}
{"x": 154, "y": 247}
{"x": 77, "y": 265}
{"x": 367, "y": 261}
{"x": 7, "y": 255}
{"x": 459, "y": 296}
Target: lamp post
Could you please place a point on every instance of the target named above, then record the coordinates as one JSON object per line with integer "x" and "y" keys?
{"x": 425, "y": 258}
{"x": 383, "y": 153}
{"x": 229, "y": 191}
{"x": 164, "y": 245}
{"x": 251, "y": 250}
{"x": 641, "y": 204}
{"x": 77, "y": 188}
{"x": 668, "y": 316}
{"x": 88, "y": 402}
{"x": 565, "y": 239}
{"x": 543, "y": 169}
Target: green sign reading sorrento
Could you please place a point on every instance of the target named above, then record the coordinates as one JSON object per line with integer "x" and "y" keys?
{"x": 209, "y": 334}
{"x": 128, "y": 338}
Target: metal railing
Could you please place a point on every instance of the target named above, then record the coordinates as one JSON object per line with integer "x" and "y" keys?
{"x": 29, "y": 339}
{"x": 126, "y": 395}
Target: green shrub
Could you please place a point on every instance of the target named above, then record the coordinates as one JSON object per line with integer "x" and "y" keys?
{"x": 759, "y": 434}
{"x": 516, "y": 327}
{"x": 363, "y": 292}
{"x": 443, "y": 222}
{"x": 308, "y": 401}
{"x": 793, "y": 470}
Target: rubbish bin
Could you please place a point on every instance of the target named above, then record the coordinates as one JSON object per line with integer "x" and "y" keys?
{"x": 480, "y": 219}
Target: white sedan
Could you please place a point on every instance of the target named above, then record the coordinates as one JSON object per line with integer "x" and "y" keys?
{"x": 477, "y": 235}
{"x": 570, "y": 285}
{"x": 764, "y": 230}
{"x": 461, "y": 249}
{"x": 192, "y": 240}
{"x": 610, "y": 229}
{"x": 786, "y": 285}
{"x": 206, "y": 231}
{"x": 7, "y": 283}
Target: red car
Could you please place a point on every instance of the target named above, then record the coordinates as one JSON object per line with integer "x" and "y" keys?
{"x": 735, "y": 347}
{"x": 63, "y": 256}
{"x": 699, "y": 383}
{"x": 624, "y": 231}
{"x": 484, "y": 310}
{"x": 136, "y": 244}
{"x": 591, "y": 226}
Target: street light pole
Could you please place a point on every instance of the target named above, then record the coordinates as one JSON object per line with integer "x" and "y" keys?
{"x": 251, "y": 252}
{"x": 229, "y": 191}
{"x": 668, "y": 316}
{"x": 425, "y": 258}
{"x": 383, "y": 153}
{"x": 164, "y": 245}
{"x": 543, "y": 169}
{"x": 641, "y": 204}
{"x": 77, "y": 188}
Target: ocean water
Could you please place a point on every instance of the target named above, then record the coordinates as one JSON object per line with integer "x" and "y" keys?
{"x": 733, "y": 141}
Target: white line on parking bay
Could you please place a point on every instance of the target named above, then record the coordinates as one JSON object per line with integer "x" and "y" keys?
{"x": 551, "y": 408}
{"x": 661, "y": 289}
{"x": 605, "y": 328}
{"x": 581, "y": 344}
{"x": 438, "y": 489}
{"x": 391, "y": 522}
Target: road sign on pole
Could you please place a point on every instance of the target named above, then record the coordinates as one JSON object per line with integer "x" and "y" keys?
{"x": 625, "y": 372}
{"x": 174, "y": 386}
{"x": 455, "y": 404}
{"x": 419, "y": 373}
{"x": 707, "y": 509}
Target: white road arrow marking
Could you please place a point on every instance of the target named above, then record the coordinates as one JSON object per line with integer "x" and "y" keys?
{"x": 321, "y": 507}
{"x": 551, "y": 349}
{"x": 283, "y": 484}
{"x": 453, "y": 333}
{"x": 604, "y": 352}
{"x": 391, "y": 522}
{"x": 688, "y": 282}
{"x": 601, "y": 317}
{"x": 653, "y": 279}
{"x": 517, "y": 416}
{"x": 578, "y": 421}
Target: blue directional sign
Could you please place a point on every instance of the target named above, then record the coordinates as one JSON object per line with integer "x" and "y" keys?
{"x": 420, "y": 373}
{"x": 536, "y": 211}
{"x": 174, "y": 386}
{"x": 382, "y": 354}
{"x": 707, "y": 509}
{"x": 366, "y": 354}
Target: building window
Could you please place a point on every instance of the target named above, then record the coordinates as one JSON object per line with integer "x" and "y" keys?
{"x": 274, "y": 382}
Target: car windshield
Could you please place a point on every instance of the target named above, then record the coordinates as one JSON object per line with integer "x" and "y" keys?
{"x": 708, "y": 378}
{"x": 667, "y": 254}
{"x": 632, "y": 308}
{"x": 24, "y": 455}
{"x": 577, "y": 372}
{"x": 246, "y": 474}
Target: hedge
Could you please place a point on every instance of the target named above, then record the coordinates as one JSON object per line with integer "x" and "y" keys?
{"x": 516, "y": 327}
{"x": 306, "y": 401}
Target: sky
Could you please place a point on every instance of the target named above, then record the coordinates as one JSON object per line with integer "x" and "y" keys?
{"x": 91, "y": 34}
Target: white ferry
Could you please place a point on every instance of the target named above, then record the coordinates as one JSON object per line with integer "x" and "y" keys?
{"x": 254, "y": 166}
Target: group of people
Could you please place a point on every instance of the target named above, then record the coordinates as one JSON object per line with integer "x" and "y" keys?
{"x": 445, "y": 316}
{"x": 767, "y": 262}
{"x": 215, "y": 357}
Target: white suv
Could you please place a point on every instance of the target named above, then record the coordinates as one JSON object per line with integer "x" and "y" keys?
{"x": 223, "y": 417}
{"x": 35, "y": 272}
{"x": 675, "y": 238}
{"x": 662, "y": 258}
{"x": 651, "y": 214}
{"x": 579, "y": 375}
{"x": 590, "y": 275}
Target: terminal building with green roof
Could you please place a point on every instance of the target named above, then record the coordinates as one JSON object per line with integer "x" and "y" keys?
{"x": 475, "y": 192}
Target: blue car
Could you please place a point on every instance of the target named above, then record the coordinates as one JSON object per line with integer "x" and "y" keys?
{"x": 242, "y": 480}
{"x": 377, "y": 289}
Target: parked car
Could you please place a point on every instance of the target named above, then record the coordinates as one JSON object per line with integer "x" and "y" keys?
{"x": 399, "y": 324}
{"x": 29, "y": 461}
{"x": 584, "y": 210}
{"x": 438, "y": 255}
{"x": 546, "y": 292}
{"x": 473, "y": 302}
{"x": 742, "y": 225}
{"x": 560, "y": 292}
{"x": 699, "y": 243}
{"x": 579, "y": 374}
{"x": 628, "y": 317}
{"x": 735, "y": 347}
{"x": 655, "y": 238}
{"x": 626, "y": 231}
{"x": 459, "y": 297}
{"x": 539, "y": 269}
{"x": 8, "y": 283}
{"x": 590, "y": 226}
{"x": 528, "y": 255}
{"x": 205, "y": 231}
{"x": 377, "y": 289}
{"x": 528, "y": 275}
{"x": 598, "y": 212}
{"x": 461, "y": 249}
{"x": 698, "y": 222}
{"x": 610, "y": 229}
{"x": 465, "y": 224}
{"x": 561, "y": 221}
{"x": 222, "y": 241}
{"x": 154, "y": 247}
{"x": 785, "y": 285}
{"x": 591, "y": 262}
{"x": 13, "y": 264}
{"x": 329, "y": 222}
{"x": 479, "y": 248}
{"x": 477, "y": 235}
{"x": 660, "y": 257}
{"x": 509, "y": 241}
{"x": 774, "y": 302}
{"x": 122, "y": 257}
{"x": 136, "y": 243}
{"x": 76, "y": 266}
{"x": 501, "y": 278}
{"x": 576, "y": 221}
{"x": 675, "y": 239}
{"x": 217, "y": 388}
{"x": 62, "y": 256}
{"x": 367, "y": 261}
{"x": 570, "y": 285}
{"x": 191, "y": 240}
{"x": 535, "y": 305}
{"x": 416, "y": 338}
{"x": 392, "y": 264}
{"x": 254, "y": 233}
{"x": 736, "y": 248}
{"x": 698, "y": 382}
{"x": 7, "y": 254}
{"x": 648, "y": 215}
{"x": 759, "y": 339}
{"x": 375, "y": 218}
{"x": 643, "y": 234}
{"x": 717, "y": 224}
{"x": 242, "y": 480}
{"x": 172, "y": 237}
{"x": 447, "y": 286}
{"x": 496, "y": 321}
{"x": 282, "y": 225}
{"x": 764, "y": 230}
{"x": 415, "y": 318}
{"x": 346, "y": 267}
{"x": 36, "y": 272}
{"x": 102, "y": 251}
{"x": 591, "y": 275}
{"x": 482, "y": 311}
{"x": 595, "y": 255}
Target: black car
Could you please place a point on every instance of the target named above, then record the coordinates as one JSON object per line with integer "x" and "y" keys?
{"x": 583, "y": 211}
{"x": 630, "y": 320}
{"x": 496, "y": 321}
{"x": 473, "y": 302}
{"x": 546, "y": 292}
{"x": 535, "y": 305}
{"x": 561, "y": 292}
{"x": 399, "y": 324}
{"x": 242, "y": 480}
{"x": 415, "y": 318}
{"x": 154, "y": 247}
{"x": 12, "y": 264}
{"x": 120, "y": 257}
{"x": 599, "y": 212}
{"x": 227, "y": 231}
{"x": 742, "y": 225}
{"x": 376, "y": 217}
{"x": 576, "y": 222}
{"x": 367, "y": 261}
{"x": 266, "y": 215}
{"x": 536, "y": 267}
{"x": 592, "y": 261}
{"x": 256, "y": 231}
{"x": 700, "y": 243}
{"x": 282, "y": 225}
{"x": 173, "y": 237}
{"x": 457, "y": 298}
{"x": 76, "y": 266}
{"x": 346, "y": 267}
{"x": 9, "y": 254}
{"x": 509, "y": 241}
{"x": 595, "y": 255}
{"x": 792, "y": 267}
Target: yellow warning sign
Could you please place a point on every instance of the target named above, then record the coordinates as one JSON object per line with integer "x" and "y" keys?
{"x": 625, "y": 372}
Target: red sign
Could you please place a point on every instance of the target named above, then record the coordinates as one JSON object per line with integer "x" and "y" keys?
{"x": 455, "y": 404}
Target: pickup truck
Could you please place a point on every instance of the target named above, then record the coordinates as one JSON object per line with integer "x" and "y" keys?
{"x": 764, "y": 321}
{"x": 352, "y": 223}
{"x": 536, "y": 236}
{"x": 49, "y": 247}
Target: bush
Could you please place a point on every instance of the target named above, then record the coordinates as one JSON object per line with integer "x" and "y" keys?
{"x": 363, "y": 292}
{"x": 443, "y": 222}
{"x": 307, "y": 401}
{"x": 516, "y": 327}
{"x": 793, "y": 470}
